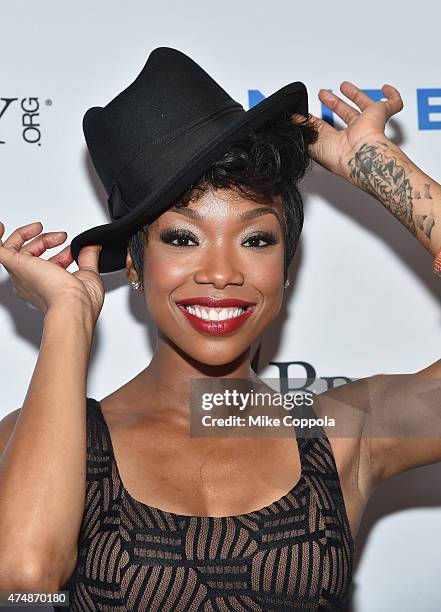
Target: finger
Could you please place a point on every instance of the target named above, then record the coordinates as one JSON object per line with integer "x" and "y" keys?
{"x": 5, "y": 254}
{"x": 18, "y": 237}
{"x": 319, "y": 125}
{"x": 344, "y": 110}
{"x": 88, "y": 257}
{"x": 48, "y": 240}
{"x": 6, "y": 257}
{"x": 322, "y": 126}
{"x": 355, "y": 94}
{"x": 64, "y": 258}
{"x": 394, "y": 100}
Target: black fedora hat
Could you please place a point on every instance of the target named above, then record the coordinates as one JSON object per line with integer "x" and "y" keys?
{"x": 157, "y": 136}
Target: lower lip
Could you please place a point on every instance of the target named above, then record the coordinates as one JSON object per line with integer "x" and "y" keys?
{"x": 216, "y": 328}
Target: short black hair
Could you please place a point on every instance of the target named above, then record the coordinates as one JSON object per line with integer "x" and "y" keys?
{"x": 262, "y": 165}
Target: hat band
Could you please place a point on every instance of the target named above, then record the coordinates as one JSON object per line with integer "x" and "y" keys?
{"x": 166, "y": 155}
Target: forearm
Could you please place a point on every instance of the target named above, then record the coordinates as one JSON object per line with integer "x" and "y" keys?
{"x": 380, "y": 168}
{"x": 42, "y": 470}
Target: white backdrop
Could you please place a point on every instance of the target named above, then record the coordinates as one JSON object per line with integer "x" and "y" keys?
{"x": 362, "y": 299}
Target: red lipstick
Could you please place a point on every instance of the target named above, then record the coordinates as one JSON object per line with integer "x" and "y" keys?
{"x": 225, "y": 326}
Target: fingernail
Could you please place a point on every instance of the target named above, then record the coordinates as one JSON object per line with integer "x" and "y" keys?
{"x": 327, "y": 94}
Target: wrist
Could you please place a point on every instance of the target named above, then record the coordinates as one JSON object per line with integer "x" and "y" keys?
{"x": 380, "y": 168}
{"x": 366, "y": 147}
{"x": 74, "y": 312}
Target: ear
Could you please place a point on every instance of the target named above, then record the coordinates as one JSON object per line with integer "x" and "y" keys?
{"x": 130, "y": 268}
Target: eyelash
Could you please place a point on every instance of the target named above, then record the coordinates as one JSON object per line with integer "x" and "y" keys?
{"x": 169, "y": 235}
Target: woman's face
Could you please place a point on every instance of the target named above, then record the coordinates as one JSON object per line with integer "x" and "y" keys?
{"x": 216, "y": 247}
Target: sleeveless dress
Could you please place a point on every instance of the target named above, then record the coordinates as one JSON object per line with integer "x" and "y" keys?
{"x": 295, "y": 554}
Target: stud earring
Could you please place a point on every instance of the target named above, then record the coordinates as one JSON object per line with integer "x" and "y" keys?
{"x": 287, "y": 283}
{"x": 136, "y": 285}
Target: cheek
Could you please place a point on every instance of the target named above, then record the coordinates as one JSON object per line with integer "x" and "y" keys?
{"x": 163, "y": 270}
{"x": 161, "y": 276}
{"x": 269, "y": 272}
{"x": 267, "y": 276}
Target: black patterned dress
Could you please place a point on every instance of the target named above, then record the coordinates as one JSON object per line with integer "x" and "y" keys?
{"x": 295, "y": 554}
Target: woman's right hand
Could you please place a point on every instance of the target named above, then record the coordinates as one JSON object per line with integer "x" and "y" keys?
{"x": 46, "y": 282}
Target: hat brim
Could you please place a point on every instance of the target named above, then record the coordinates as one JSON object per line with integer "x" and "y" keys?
{"x": 114, "y": 236}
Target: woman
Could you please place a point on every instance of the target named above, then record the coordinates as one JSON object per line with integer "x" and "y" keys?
{"x": 161, "y": 520}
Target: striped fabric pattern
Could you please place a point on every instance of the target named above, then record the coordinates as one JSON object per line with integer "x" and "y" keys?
{"x": 295, "y": 554}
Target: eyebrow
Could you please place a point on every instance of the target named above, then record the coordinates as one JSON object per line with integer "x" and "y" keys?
{"x": 246, "y": 216}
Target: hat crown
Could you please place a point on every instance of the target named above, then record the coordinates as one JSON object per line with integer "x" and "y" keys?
{"x": 158, "y": 136}
{"x": 170, "y": 92}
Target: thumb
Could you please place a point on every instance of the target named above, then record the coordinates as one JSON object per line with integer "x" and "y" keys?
{"x": 5, "y": 254}
{"x": 315, "y": 122}
{"x": 88, "y": 257}
{"x": 325, "y": 148}
{"x": 323, "y": 128}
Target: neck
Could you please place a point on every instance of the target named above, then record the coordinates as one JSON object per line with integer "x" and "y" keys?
{"x": 167, "y": 379}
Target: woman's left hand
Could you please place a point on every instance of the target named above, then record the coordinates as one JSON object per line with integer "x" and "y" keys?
{"x": 363, "y": 155}
{"x": 334, "y": 148}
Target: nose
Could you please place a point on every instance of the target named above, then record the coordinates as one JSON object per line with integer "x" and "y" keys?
{"x": 219, "y": 266}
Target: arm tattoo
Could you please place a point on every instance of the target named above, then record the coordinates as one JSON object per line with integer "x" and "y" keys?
{"x": 386, "y": 181}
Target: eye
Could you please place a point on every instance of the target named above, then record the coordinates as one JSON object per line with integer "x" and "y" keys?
{"x": 182, "y": 236}
{"x": 269, "y": 237}
{"x": 169, "y": 236}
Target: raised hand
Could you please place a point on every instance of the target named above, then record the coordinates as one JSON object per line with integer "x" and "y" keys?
{"x": 362, "y": 154}
{"x": 46, "y": 282}
{"x": 335, "y": 147}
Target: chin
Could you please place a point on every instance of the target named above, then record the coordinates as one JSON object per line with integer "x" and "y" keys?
{"x": 216, "y": 359}
{"x": 212, "y": 352}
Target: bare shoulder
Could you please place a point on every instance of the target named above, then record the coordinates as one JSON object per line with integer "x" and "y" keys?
{"x": 7, "y": 424}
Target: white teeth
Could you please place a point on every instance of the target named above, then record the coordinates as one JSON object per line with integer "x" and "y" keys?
{"x": 212, "y": 314}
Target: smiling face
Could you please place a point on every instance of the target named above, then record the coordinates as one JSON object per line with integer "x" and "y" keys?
{"x": 222, "y": 246}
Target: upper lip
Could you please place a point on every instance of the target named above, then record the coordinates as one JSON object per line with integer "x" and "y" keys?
{"x": 214, "y": 302}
